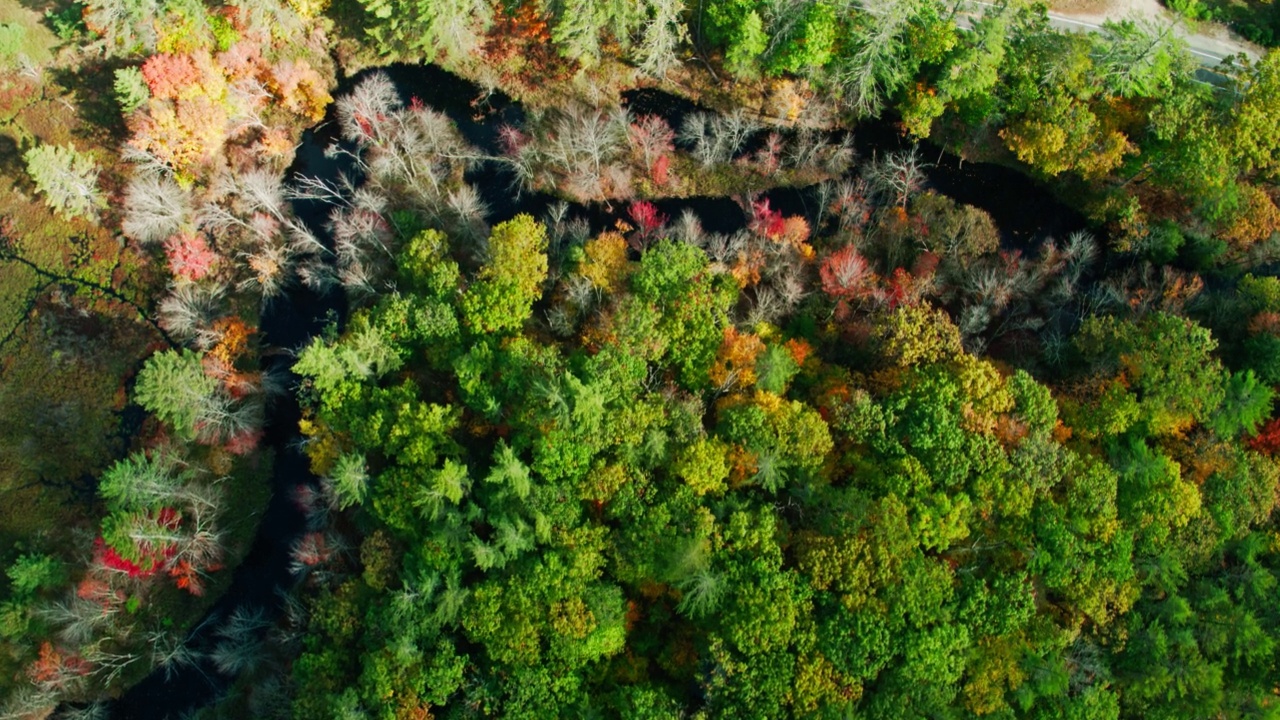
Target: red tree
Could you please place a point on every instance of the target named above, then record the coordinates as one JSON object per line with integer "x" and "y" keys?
{"x": 659, "y": 172}
{"x": 649, "y": 222}
{"x": 1267, "y": 441}
{"x": 190, "y": 256}
{"x": 766, "y": 221}
{"x": 652, "y": 137}
{"x": 54, "y": 669}
{"x": 169, "y": 76}
{"x": 846, "y": 275}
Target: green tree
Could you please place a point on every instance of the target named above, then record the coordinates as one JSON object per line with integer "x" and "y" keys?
{"x": 1164, "y": 361}
{"x": 738, "y": 27}
{"x": 33, "y": 572}
{"x": 175, "y": 387}
{"x": 502, "y": 295}
{"x": 67, "y": 178}
{"x": 131, "y": 89}
{"x": 1246, "y": 404}
{"x": 453, "y": 28}
{"x": 1255, "y": 137}
{"x": 809, "y": 42}
{"x": 1136, "y": 58}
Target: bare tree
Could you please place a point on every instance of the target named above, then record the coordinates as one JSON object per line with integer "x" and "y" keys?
{"x": 897, "y": 175}
{"x": 662, "y": 35}
{"x": 240, "y": 648}
{"x": 155, "y": 207}
{"x": 716, "y": 139}
{"x": 189, "y": 310}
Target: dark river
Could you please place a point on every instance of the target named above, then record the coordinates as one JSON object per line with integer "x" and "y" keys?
{"x": 1025, "y": 212}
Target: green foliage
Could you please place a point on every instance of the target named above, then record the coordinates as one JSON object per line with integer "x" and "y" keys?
{"x": 173, "y": 385}
{"x": 583, "y": 522}
{"x": 1140, "y": 58}
{"x": 142, "y": 481}
{"x": 1245, "y": 406}
{"x": 775, "y": 368}
{"x": 1163, "y": 243}
{"x": 33, "y": 572}
{"x": 502, "y": 295}
{"x": 224, "y": 33}
{"x": 12, "y": 38}
{"x": 67, "y": 22}
{"x": 810, "y": 44}
{"x": 131, "y": 90}
{"x": 365, "y": 352}
{"x": 737, "y": 26}
{"x": 427, "y": 28}
{"x": 67, "y": 179}
{"x": 349, "y": 480}
{"x": 1163, "y": 361}
{"x": 1255, "y": 136}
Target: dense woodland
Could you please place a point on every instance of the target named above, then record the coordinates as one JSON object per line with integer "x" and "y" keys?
{"x": 575, "y": 454}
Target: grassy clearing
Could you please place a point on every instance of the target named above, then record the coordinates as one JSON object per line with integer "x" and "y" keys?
{"x": 24, "y": 33}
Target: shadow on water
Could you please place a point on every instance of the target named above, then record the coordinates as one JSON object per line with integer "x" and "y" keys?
{"x": 1025, "y": 213}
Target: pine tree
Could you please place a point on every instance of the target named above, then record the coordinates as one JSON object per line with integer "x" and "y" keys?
{"x": 68, "y": 179}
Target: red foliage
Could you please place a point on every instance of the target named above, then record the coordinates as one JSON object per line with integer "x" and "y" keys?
{"x": 152, "y": 558}
{"x": 95, "y": 588}
{"x": 512, "y": 139}
{"x": 520, "y": 43}
{"x": 1267, "y": 441}
{"x": 54, "y": 669}
{"x": 311, "y": 549}
{"x": 925, "y": 266}
{"x": 187, "y": 577}
{"x": 652, "y": 137}
{"x": 243, "y": 443}
{"x": 169, "y": 75}
{"x": 107, "y": 557}
{"x": 766, "y": 221}
{"x": 190, "y": 256}
{"x": 799, "y": 349}
{"x": 1265, "y": 322}
{"x": 659, "y": 172}
{"x": 899, "y": 290}
{"x": 306, "y": 498}
{"x": 846, "y": 275}
{"x": 649, "y": 221}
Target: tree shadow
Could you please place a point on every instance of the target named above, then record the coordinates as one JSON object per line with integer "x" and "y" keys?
{"x": 10, "y": 157}
{"x": 93, "y": 89}
{"x": 43, "y": 6}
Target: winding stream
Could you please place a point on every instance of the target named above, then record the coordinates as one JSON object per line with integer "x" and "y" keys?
{"x": 1025, "y": 213}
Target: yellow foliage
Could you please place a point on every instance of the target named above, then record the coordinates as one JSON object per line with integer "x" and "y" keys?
{"x": 994, "y": 670}
{"x": 704, "y": 466}
{"x": 606, "y": 264}
{"x": 572, "y": 618}
{"x": 323, "y": 446}
{"x": 735, "y": 363}
{"x": 309, "y": 8}
{"x": 818, "y": 685}
{"x": 602, "y": 482}
{"x": 917, "y": 334}
{"x": 301, "y": 89}
{"x": 185, "y": 134}
{"x": 987, "y": 395}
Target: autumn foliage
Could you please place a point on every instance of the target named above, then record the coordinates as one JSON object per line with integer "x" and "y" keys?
{"x": 190, "y": 257}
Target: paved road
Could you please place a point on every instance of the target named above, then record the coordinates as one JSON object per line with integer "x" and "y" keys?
{"x": 1209, "y": 48}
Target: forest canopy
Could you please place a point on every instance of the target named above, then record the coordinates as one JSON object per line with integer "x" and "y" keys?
{"x": 731, "y": 359}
